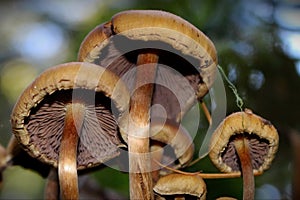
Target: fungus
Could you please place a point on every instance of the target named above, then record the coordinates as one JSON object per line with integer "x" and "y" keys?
{"x": 180, "y": 186}
{"x": 64, "y": 119}
{"x": 187, "y": 59}
{"x": 163, "y": 60}
{"x": 175, "y": 136}
{"x": 244, "y": 142}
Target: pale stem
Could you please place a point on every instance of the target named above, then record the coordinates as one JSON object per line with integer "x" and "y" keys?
{"x": 243, "y": 151}
{"x": 138, "y": 137}
{"x": 206, "y": 175}
{"x": 206, "y": 112}
{"x": 67, "y": 162}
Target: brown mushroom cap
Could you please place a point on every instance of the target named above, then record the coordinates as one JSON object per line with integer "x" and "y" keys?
{"x": 177, "y": 137}
{"x": 179, "y": 44}
{"x": 180, "y": 184}
{"x": 225, "y": 198}
{"x": 38, "y": 116}
{"x": 261, "y": 134}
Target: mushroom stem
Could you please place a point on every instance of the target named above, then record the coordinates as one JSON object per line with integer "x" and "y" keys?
{"x": 52, "y": 188}
{"x": 243, "y": 151}
{"x": 67, "y": 164}
{"x": 207, "y": 175}
{"x": 138, "y": 138}
{"x": 206, "y": 112}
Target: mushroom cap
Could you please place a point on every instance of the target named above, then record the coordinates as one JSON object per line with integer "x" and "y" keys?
{"x": 176, "y": 136}
{"x": 38, "y": 116}
{"x": 181, "y": 46}
{"x": 181, "y": 184}
{"x": 225, "y": 198}
{"x": 263, "y": 142}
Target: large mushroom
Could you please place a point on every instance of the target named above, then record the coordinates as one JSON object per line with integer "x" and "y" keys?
{"x": 246, "y": 143}
{"x": 163, "y": 59}
{"x": 187, "y": 59}
{"x": 65, "y": 119}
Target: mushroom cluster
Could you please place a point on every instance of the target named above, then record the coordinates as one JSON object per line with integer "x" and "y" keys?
{"x": 244, "y": 144}
{"x": 136, "y": 77}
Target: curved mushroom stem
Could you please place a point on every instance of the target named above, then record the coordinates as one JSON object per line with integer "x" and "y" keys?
{"x": 67, "y": 162}
{"x": 206, "y": 175}
{"x": 242, "y": 149}
{"x": 139, "y": 132}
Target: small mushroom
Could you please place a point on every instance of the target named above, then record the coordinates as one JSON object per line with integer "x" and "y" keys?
{"x": 176, "y": 136}
{"x": 244, "y": 142}
{"x": 180, "y": 186}
{"x": 225, "y": 198}
{"x": 64, "y": 119}
{"x": 169, "y": 134}
{"x": 163, "y": 60}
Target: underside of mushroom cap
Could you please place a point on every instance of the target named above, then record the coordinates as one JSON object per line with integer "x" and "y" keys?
{"x": 179, "y": 44}
{"x": 38, "y": 116}
{"x": 261, "y": 134}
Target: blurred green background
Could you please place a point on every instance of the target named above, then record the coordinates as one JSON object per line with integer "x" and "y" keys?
{"x": 258, "y": 44}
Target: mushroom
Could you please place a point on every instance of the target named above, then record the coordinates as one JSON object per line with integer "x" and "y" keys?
{"x": 244, "y": 142}
{"x": 187, "y": 59}
{"x": 64, "y": 119}
{"x": 176, "y": 136}
{"x": 169, "y": 133}
{"x": 163, "y": 60}
{"x": 180, "y": 186}
{"x": 225, "y": 198}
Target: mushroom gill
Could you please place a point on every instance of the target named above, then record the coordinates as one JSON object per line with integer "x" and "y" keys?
{"x": 259, "y": 148}
{"x": 99, "y": 133}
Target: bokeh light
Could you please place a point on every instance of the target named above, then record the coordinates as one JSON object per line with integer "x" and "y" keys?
{"x": 40, "y": 41}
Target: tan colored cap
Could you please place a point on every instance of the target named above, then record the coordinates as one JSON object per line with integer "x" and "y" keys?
{"x": 180, "y": 184}
{"x": 177, "y": 137}
{"x": 180, "y": 45}
{"x": 263, "y": 140}
{"x": 38, "y": 116}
